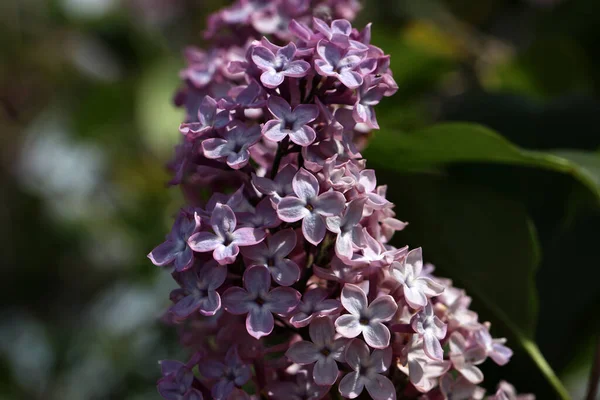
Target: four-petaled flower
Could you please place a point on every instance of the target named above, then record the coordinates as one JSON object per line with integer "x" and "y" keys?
{"x": 364, "y": 318}
{"x": 277, "y": 188}
{"x": 226, "y": 239}
{"x": 494, "y": 348}
{"x": 347, "y": 227}
{"x": 323, "y": 351}
{"x": 338, "y": 62}
{"x": 367, "y": 372}
{"x": 431, "y": 329}
{"x": 290, "y": 123}
{"x": 231, "y": 373}
{"x": 258, "y": 301}
{"x": 416, "y": 288}
{"x": 234, "y": 145}
{"x": 279, "y": 65}
{"x": 176, "y": 383}
{"x": 314, "y": 303}
{"x": 175, "y": 250}
{"x": 208, "y": 117}
{"x": 199, "y": 290}
{"x": 272, "y": 254}
{"x": 465, "y": 357}
{"x": 309, "y": 206}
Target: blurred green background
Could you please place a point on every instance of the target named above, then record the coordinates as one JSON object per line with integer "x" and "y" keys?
{"x": 510, "y": 212}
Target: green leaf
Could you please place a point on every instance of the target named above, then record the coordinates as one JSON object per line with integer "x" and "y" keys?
{"x": 462, "y": 142}
{"x": 487, "y": 244}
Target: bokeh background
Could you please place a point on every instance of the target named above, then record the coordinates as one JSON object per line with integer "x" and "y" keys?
{"x": 87, "y": 125}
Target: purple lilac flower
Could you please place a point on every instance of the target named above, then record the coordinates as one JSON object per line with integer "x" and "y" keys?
{"x": 323, "y": 351}
{"x": 271, "y": 147}
{"x": 234, "y": 145}
{"x": 198, "y": 290}
{"x": 416, "y": 288}
{"x": 368, "y": 368}
{"x": 302, "y": 388}
{"x": 431, "y": 329}
{"x": 290, "y": 123}
{"x": 258, "y": 301}
{"x": 309, "y": 206}
{"x": 279, "y": 187}
{"x": 175, "y": 250}
{"x": 226, "y": 239}
{"x": 272, "y": 254}
{"x": 338, "y": 62}
{"x": 227, "y": 375}
{"x": 314, "y": 303}
{"x": 279, "y": 65}
{"x": 209, "y": 117}
{"x": 364, "y": 318}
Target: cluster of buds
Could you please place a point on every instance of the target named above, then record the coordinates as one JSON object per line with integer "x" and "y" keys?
{"x": 289, "y": 288}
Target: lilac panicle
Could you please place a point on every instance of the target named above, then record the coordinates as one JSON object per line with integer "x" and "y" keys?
{"x": 288, "y": 283}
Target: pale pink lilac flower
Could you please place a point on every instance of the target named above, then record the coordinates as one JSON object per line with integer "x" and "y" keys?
{"x": 314, "y": 303}
{"x": 460, "y": 389}
{"x": 416, "y": 288}
{"x": 346, "y": 227}
{"x": 226, "y": 239}
{"x": 466, "y": 356}
{"x": 175, "y": 250}
{"x": 423, "y": 371}
{"x": 272, "y": 253}
{"x": 494, "y": 348}
{"x": 198, "y": 290}
{"x": 506, "y": 391}
{"x": 431, "y": 329}
{"x": 279, "y": 65}
{"x": 309, "y": 206}
{"x": 258, "y": 301}
{"x": 368, "y": 369}
{"x": 290, "y": 123}
{"x": 366, "y": 318}
{"x": 323, "y": 351}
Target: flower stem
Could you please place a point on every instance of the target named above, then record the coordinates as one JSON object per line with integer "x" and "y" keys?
{"x": 281, "y": 151}
{"x": 594, "y": 374}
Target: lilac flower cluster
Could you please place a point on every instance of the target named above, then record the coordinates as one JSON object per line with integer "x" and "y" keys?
{"x": 289, "y": 288}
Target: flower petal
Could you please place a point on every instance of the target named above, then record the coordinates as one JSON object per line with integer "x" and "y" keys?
{"x": 272, "y": 131}
{"x": 351, "y": 385}
{"x": 248, "y": 236}
{"x": 164, "y": 253}
{"x": 313, "y": 228}
{"x": 377, "y": 335}
{"x": 303, "y": 136}
{"x": 380, "y": 388}
{"x": 257, "y": 280}
{"x": 279, "y": 107}
{"x": 383, "y": 308}
{"x": 259, "y": 322}
{"x": 329, "y": 203}
{"x": 236, "y": 300}
{"x": 286, "y": 272}
{"x": 305, "y": 185}
{"x": 325, "y": 372}
{"x": 226, "y": 254}
{"x": 291, "y": 209}
{"x": 204, "y": 241}
{"x": 210, "y": 304}
{"x": 263, "y": 58}
{"x": 432, "y": 346}
{"x": 354, "y": 299}
{"x": 282, "y": 300}
{"x": 348, "y": 326}
{"x": 321, "y": 331}
{"x": 186, "y": 306}
{"x": 272, "y": 78}
{"x": 303, "y": 352}
{"x": 357, "y": 354}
